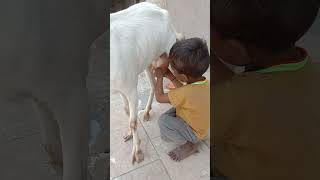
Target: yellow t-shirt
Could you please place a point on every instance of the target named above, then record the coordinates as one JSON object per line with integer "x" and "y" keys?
{"x": 192, "y": 103}
{"x": 266, "y": 125}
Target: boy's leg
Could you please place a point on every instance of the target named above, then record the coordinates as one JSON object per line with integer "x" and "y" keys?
{"x": 173, "y": 128}
{"x": 165, "y": 133}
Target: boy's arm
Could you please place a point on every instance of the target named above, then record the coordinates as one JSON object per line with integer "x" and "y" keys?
{"x": 173, "y": 79}
{"x": 167, "y": 73}
{"x": 161, "y": 97}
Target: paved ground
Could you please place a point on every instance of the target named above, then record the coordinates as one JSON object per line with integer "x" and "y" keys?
{"x": 156, "y": 164}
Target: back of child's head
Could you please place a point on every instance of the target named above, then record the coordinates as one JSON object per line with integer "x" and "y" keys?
{"x": 190, "y": 57}
{"x": 271, "y": 25}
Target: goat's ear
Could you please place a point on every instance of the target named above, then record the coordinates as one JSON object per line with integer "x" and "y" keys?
{"x": 180, "y": 36}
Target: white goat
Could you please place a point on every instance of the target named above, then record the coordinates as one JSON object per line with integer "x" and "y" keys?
{"x": 139, "y": 35}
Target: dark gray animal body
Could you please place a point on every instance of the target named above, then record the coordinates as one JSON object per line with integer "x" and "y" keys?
{"x": 44, "y": 50}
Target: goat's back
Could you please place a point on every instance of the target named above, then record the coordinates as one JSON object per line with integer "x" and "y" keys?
{"x": 138, "y": 36}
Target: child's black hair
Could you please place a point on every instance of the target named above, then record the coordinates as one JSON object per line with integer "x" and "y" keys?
{"x": 273, "y": 25}
{"x": 190, "y": 57}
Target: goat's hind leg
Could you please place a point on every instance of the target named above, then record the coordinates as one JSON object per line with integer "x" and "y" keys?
{"x": 128, "y": 136}
{"x": 151, "y": 79}
{"x": 137, "y": 155}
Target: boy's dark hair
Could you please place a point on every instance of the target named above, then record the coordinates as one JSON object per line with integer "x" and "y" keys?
{"x": 190, "y": 57}
{"x": 273, "y": 25}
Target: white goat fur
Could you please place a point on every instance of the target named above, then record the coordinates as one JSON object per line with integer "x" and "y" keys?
{"x": 139, "y": 35}
{"x": 160, "y": 3}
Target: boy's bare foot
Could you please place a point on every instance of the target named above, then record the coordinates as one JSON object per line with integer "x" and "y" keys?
{"x": 183, "y": 151}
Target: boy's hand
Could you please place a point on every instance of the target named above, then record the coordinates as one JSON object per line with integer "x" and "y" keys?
{"x": 172, "y": 78}
{"x": 159, "y": 72}
{"x": 169, "y": 75}
{"x": 164, "y": 60}
{"x": 161, "y": 97}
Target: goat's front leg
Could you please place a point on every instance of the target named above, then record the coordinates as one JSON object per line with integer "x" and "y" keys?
{"x": 137, "y": 155}
{"x": 151, "y": 79}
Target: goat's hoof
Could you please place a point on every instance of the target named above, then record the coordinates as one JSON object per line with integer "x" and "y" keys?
{"x": 127, "y": 137}
{"x": 54, "y": 157}
{"x": 137, "y": 157}
{"x": 56, "y": 166}
{"x": 146, "y": 116}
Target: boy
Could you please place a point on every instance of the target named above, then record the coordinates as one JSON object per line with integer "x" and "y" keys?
{"x": 188, "y": 121}
{"x": 266, "y": 117}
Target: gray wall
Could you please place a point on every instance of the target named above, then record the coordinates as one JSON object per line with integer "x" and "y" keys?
{"x": 191, "y": 17}
{"x": 311, "y": 41}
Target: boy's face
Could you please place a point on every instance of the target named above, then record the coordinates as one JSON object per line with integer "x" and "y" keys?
{"x": 180, "y": 77}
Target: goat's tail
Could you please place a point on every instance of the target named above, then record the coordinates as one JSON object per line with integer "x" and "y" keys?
{"x": 179, "y": 36}
{"x": 161, "y": 3}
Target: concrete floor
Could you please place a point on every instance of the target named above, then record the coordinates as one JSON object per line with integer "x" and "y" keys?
{"x": 156, "y": 165}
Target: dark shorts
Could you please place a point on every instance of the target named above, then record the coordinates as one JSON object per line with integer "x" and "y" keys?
{"x": 175, "y": 129}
